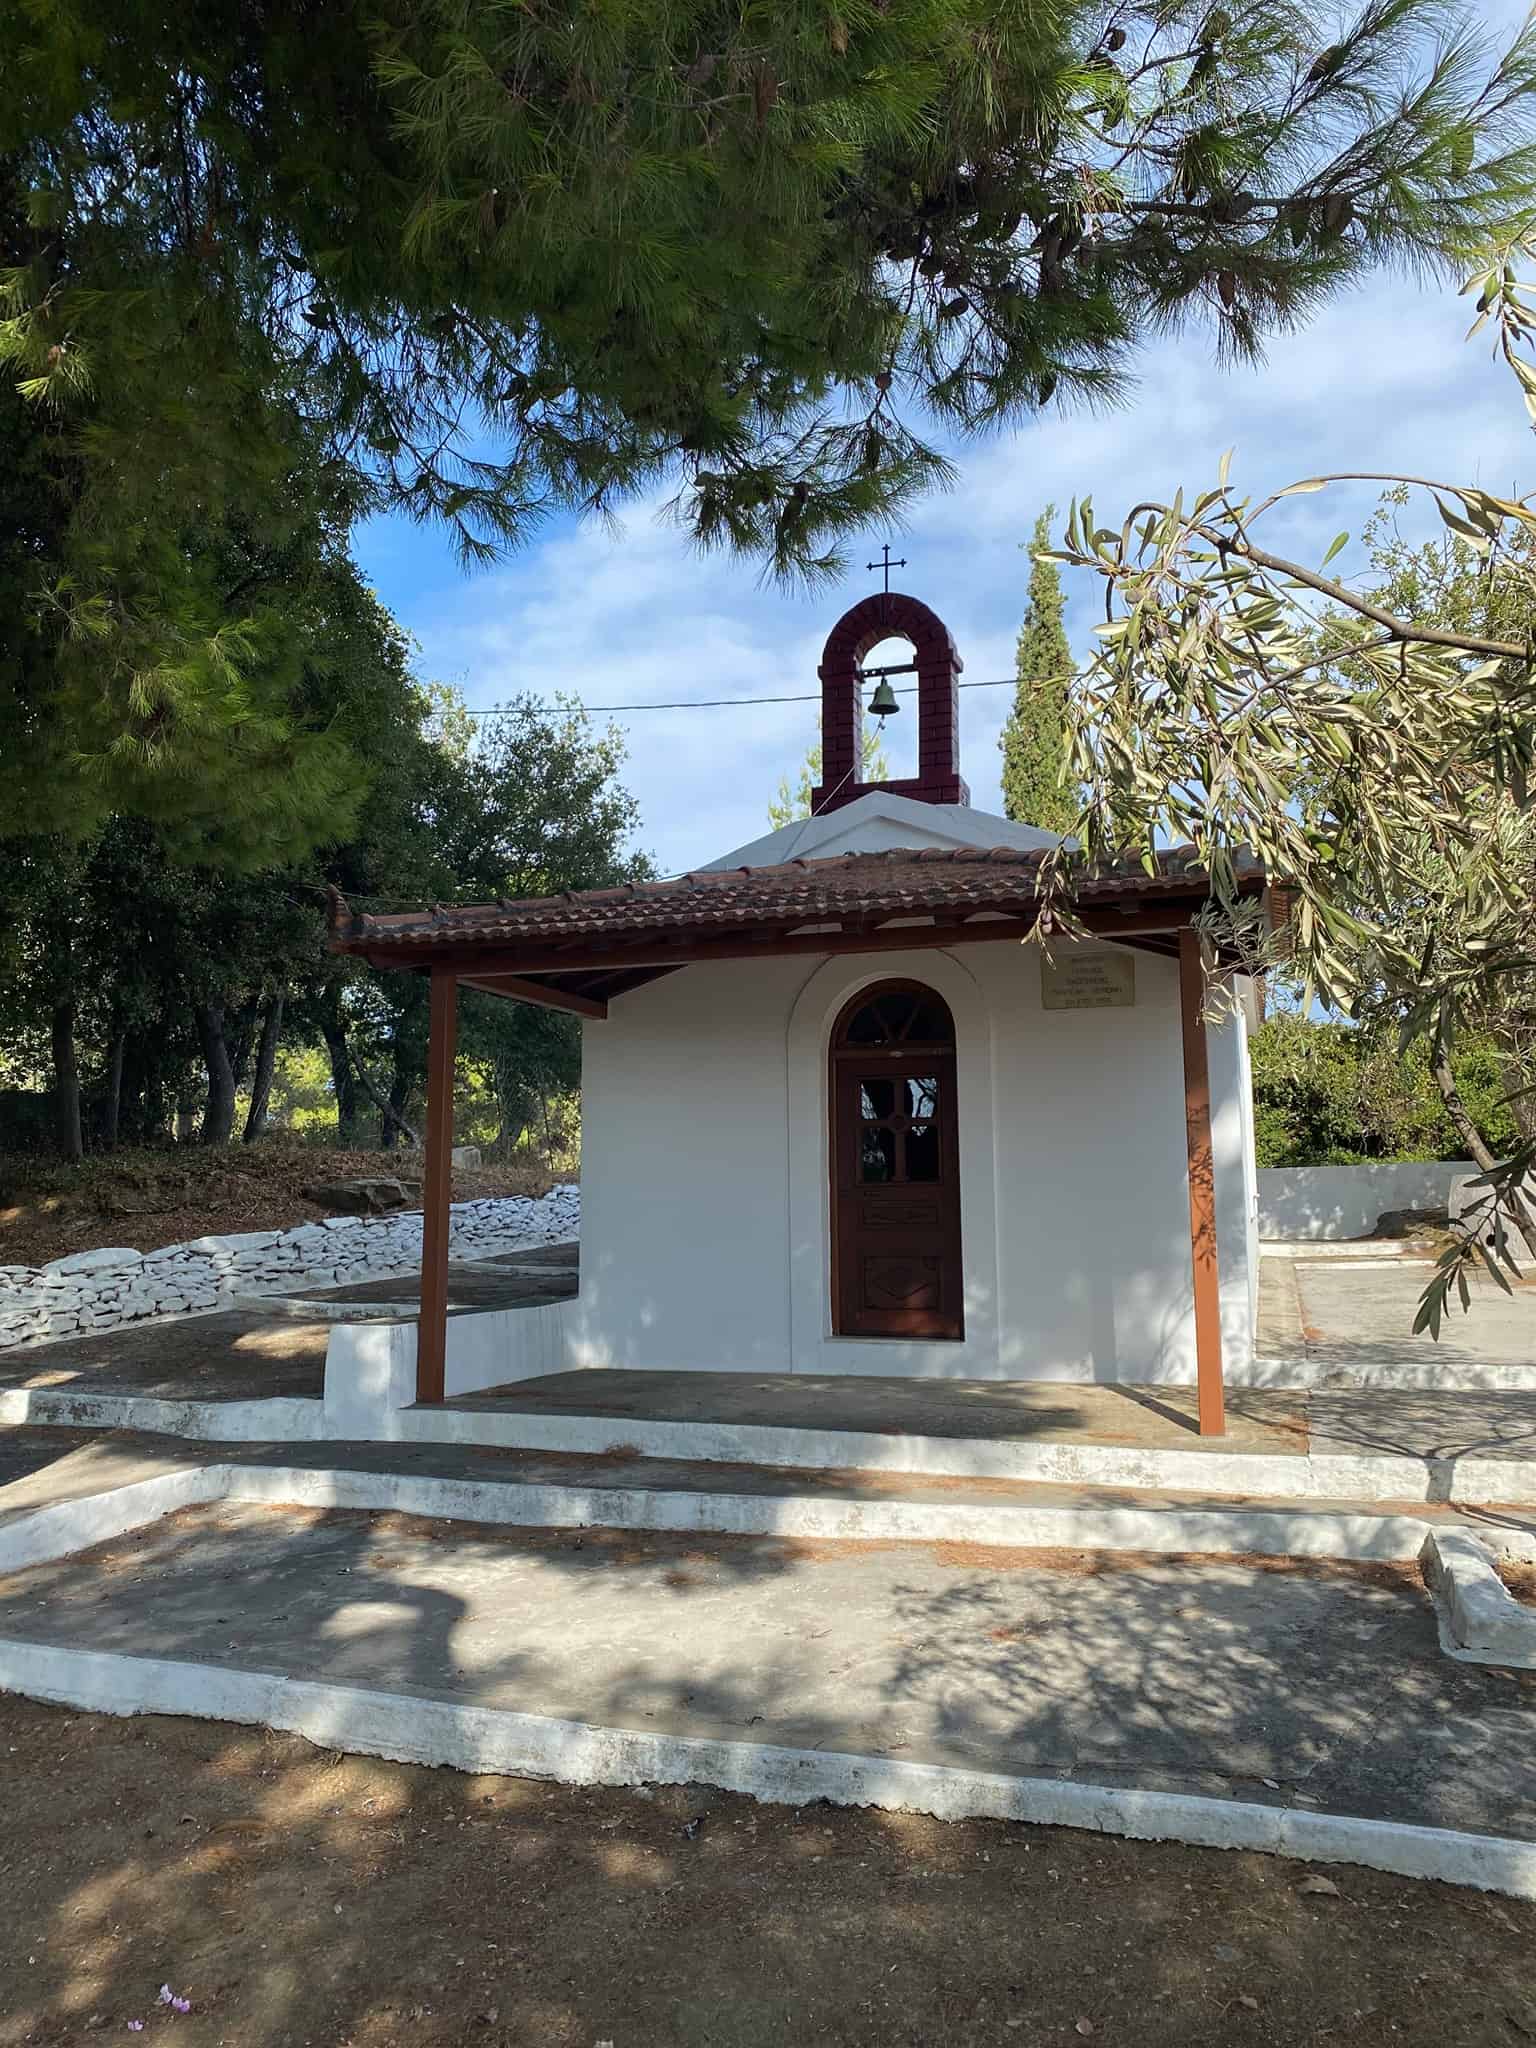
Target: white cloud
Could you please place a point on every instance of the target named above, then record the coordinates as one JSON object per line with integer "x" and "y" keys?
{"x": 1381, "y": 382}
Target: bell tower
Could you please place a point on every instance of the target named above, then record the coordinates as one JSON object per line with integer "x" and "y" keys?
{"x": 886, "y": 615}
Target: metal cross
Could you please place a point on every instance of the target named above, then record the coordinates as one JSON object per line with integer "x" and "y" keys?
{"x": 887, "y": 565}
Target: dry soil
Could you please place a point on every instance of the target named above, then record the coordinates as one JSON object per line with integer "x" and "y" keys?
{"x": 296, "y": 1896}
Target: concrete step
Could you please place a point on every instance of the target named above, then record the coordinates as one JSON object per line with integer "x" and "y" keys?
{"x": 105, "y": 1488}
{"x": 1347, "y": 1466}
{"x": 1303, "y": 1709}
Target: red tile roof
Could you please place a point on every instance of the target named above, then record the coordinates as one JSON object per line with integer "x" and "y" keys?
{"x": 717, "y": 901}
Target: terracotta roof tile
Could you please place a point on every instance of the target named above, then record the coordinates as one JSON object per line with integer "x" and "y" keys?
{"x": 911, "y": 880}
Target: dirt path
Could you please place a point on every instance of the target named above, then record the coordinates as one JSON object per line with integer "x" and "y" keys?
{"x": 296, "y": 1897}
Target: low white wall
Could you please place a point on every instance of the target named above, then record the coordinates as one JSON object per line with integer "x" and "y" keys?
{"x": 99, "y": 1290}
{"x": 370, "y": 1368}
{"x": 1345, "y": 1201}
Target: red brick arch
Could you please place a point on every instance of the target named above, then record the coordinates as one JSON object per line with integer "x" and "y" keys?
{"x": 881, "y": 617}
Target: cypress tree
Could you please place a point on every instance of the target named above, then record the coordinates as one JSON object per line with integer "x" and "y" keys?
{"x": 1033, "y": 737}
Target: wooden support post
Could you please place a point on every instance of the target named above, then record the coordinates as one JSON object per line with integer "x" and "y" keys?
{"x": 1202, "y": 1187}
{"x": 437, "y": 1189}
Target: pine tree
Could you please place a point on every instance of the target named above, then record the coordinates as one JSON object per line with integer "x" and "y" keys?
{"x": 490, "y": 264}
{"x": 1034, "y": 737}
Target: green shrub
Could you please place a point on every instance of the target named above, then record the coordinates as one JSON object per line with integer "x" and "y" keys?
{"x": 1329, "y": 1094}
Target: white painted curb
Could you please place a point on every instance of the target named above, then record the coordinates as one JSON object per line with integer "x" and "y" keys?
{"x": 1333, "y": 1251}
{"x": 484, "y": 1739}
{"x": 1241, "y": 1475}
{"x": 1446, "y": 1375}
{"x": 1480, "y": 1620}
{"x": 813, "y": 1519}
{"x": 1358, "y": 1476}
{"x": 60, "y": 1528}
{"x": 286, "y": 1418}
{"x": 64, "y": 1526}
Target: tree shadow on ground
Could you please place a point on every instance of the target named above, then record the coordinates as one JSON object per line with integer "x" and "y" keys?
{"x": 1286, "y": 1680}
{"x": 295, "y": 1896}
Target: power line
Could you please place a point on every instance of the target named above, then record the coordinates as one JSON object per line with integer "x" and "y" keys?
{"x": 722, "y": 703}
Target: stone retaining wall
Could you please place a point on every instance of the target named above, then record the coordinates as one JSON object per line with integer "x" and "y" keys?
{"x": 102, "y": 1289}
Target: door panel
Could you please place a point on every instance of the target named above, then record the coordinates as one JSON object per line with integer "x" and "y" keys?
{"x": 896, "y": 1194}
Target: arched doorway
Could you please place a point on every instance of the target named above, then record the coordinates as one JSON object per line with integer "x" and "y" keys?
{"x": 896, "y": 1259}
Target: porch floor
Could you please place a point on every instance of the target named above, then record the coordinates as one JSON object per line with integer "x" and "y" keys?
{"x": 1258, "y": 1419}
{"x": 1387, "y": 1422}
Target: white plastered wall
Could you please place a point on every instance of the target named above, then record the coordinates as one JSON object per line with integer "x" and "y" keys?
{"x": 705, "y": 1228}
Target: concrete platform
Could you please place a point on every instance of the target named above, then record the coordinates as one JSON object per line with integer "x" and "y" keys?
{"x": 230, "y": 1355}
{"x": 1161, "y": 1695}
{"x": 59, "y": 1503}
{"x": 538, "y": 1622}
{"x": 1328, "y": 1320}
{"x": 1356, "y": 1444}
{"x": 269, "y": 1347}
{"x": 1410, "y": 1423}
{"x": 1366, "y": 1443}
{"x": 997, "y": 1410}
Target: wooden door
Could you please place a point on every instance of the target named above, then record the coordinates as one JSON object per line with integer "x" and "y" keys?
{"x": 897, "y": 1267}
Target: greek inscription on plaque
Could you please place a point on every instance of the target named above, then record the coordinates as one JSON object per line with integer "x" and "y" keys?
{"x": 1088, "y": 981}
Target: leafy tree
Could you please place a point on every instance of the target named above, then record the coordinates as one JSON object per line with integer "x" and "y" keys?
{"x": 266, "y": 262}
{"x": 178, "y": 981}
{"x": 552, "y": 813}
{"x": 162, "y": 650}
{"x": 790, "y": 804}
{"x": 1327, "y": 1094}
{"x": 1450, "y": 584}
{"x": 1034, "y": 734}
{"x": 534, "y": 806}
{"x": 151, "y": 964}
{"x": 1380, "y": 758}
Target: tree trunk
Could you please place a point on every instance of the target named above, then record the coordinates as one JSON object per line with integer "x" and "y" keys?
{"x": 142, "y": 1116}
{"x": 1472, "y": 1138}
{"x": 334, "y": 1031}
{"x": 219, "y": 1111}
{"x": 408, "y": 1048}
{"x": 392, "y": 1119}
{"x": 66, "y": 1077}
{"x": 244, "y": 1038}
{"x": 132, "y": 1111}
{"x": 395, "y": 1125}
{"x": 1515, "y": 1069}
{"x": 112, "y": 1100}
{"x": 261, "y": 1079}
{"x": 154, "y": 1117}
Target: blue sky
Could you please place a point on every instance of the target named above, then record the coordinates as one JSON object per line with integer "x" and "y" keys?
{"x": 1383, "y": 381}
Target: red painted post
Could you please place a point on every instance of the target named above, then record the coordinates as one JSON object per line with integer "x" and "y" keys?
{"x": 1211, "y": 1394}
{"x": 437, "y": 1189}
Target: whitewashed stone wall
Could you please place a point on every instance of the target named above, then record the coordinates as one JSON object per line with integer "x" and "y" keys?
{"x": 1344, "y": 1201}
{"x": 101, "y": 1289}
